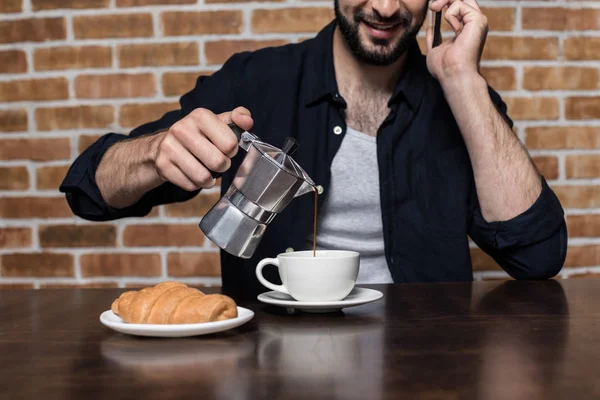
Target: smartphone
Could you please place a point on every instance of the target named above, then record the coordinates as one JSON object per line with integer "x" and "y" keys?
{"x": 437, "y": 22}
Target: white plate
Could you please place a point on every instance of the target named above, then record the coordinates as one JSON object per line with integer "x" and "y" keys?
{"x": 357, "y": 297}
{"x": 113, "y": 321}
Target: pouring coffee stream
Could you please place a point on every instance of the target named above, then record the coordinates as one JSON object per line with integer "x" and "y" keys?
{"x": 265, "y": 183}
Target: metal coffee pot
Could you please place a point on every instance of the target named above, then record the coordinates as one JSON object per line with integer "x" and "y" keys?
{"x": 265, "y": 183}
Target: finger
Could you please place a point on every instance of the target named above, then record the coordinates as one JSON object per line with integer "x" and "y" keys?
{"x": 460, "y": 13}
{"x": 439, "y": 5}
{"x": 452, "y": 15}
{"x": 429, "y": 38}
{"x": 174, "y": 175}
{"x": 193, "y": 168}
{"x": 240, "y": 116}
{"x": 213, "y": 128}
{"x": 473, "y": 3}
{"x": 203, "y": 149}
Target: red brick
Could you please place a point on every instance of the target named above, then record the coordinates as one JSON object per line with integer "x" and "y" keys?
{"x": 36, "y": 265}
{"x": 483, "y": 262}
{"x": 91, "y": 285}
{"x": 135, "y": 3}
{"x": 34, "y": 89}
{"x": 582, "y": 107}
{"x": 12, "y": 62}
{"x": 500, "y": 78}
{"x": 65, "y": 57}
{"x": 562, "y": 78}
{"x": 194, "y": 264}
{"x": 583, "y": 256}
{"x": 583, "y": 225}
{"x": 582, "y": 48}
{"x": 532, "y": 108}
{"x": 33, "y": 30}
{"x": 11, "y": 6}
{"x": 35, "y": 149}
{"x": 132, "y": 115}
{"x": 15, "y": 237}
{"x": 586, "y": 275}
{"x": 86, "y": 141}
{"x": 34, "y": 207}
{"x": 219, "y": 51}
{"x": 562, "y": 137}
{"x": 120, "y": 264}
{"x": 7, "y": 286}
{"x": 50, "y": 178}
{"x": 14, "y": 178}
{"x": 112, "y": 26}
{"x": 136, "y": 55}
{"x": 163, "y": 235}
{"x": 184, "y": 23}
{"x": 196, "y": 207}
{"x": 583, "y": 166}
{"x": 76, "y": 117}
{"x": 38, "y": 5}
{"x": 178, "y": 83}
{"x": 95, "y": 235}
{"x": 13, "y": 120}
{"x": 499, "y": 19}
{"x": 206, "y": 289}
{"x": 578, "y": 196}
{"x": 560, "y": 19}
{"x": 291, "y": 20}
{"x": 115, "y": 85}
{"x": 547, "y": 165}
{"x": 520, "y": 48}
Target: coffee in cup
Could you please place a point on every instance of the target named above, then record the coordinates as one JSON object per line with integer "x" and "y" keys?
{"x": 328, "y": 275}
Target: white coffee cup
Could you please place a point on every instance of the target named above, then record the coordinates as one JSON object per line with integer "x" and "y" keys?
{"x": 330, "y": 276}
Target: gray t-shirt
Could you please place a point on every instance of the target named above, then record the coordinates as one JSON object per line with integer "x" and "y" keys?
{"x": 350, "y": 218}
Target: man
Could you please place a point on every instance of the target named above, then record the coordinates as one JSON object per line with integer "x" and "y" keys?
{"x": 414, "y": 153}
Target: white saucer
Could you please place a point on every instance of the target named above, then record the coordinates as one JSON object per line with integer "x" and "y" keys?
{"x": 357, "y": 297}
{"x": 113, "y": 321}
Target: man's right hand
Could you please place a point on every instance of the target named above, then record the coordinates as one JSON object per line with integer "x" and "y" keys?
{"x": 198, "y": 144}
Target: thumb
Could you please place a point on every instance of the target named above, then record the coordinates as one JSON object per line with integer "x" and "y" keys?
{"x": 240, "y": 116}
{"x": 429, "y": 38}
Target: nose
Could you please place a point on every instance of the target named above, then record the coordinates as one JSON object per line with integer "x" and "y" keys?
{"x": 385, "y": 8}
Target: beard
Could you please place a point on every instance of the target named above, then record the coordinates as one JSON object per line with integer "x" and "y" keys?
{"x": 382, "y": 52}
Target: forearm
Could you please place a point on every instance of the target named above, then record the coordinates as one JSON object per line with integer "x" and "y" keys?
{"x": 126, "y": 171}
{"x": 506, "y": 180}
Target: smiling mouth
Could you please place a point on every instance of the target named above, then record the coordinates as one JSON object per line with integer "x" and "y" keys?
{"x": 381, "y": 27}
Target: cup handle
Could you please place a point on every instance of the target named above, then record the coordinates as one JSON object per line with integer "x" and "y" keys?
{"x": 261, "y": 278}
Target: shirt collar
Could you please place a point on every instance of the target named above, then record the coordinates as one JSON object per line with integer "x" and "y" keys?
{"x": 321, "y": 83}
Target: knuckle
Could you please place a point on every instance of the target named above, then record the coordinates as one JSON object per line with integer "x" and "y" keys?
{"x": 161, "y": 164}
{"x": 218, "y": 163}
{"x": 203, "y": 177}
{"x": 230, "y": 146}
{"x": 189, "y": 186}
{"x": 201, "y": 114}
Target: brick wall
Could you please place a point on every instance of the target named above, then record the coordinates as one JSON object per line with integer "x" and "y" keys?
{"x": 71, "y": 70}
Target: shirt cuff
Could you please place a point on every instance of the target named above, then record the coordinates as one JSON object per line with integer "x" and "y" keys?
{"x": 534, "y": 225}
{"x": 82, "y": 192}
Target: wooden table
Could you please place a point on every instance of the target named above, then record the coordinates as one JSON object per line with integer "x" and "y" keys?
{"x": 485, "y": 340}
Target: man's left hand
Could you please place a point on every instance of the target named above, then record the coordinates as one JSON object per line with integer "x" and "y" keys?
{"x": 458, "y": 57}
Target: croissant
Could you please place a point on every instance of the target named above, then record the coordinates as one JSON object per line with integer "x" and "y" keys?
{"x": 173, "y": 303}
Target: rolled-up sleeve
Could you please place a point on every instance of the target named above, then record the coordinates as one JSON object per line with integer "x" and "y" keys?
{"x": 532, "y": 245}
{"x": 215, "y": 92}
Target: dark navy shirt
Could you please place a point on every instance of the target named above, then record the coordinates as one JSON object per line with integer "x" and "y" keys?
{"x": 428, "y": 198}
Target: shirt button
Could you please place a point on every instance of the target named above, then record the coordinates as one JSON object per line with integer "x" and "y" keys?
{"x": 289, "y": 250}
{"x": 337, "y": 130}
